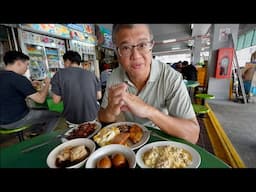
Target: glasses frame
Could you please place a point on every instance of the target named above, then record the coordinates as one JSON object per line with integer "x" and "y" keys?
{"x": 133, "y": 46}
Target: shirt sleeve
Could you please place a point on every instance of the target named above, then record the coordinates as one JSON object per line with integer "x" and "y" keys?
{"x": 98, "y": 84}
{"x": 25, "y": 86}
{"x": 55, "y": 82}
{"x": 178, "y": 100}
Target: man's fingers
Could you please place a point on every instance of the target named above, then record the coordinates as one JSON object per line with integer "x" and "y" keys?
{"x": 124, "y": 108}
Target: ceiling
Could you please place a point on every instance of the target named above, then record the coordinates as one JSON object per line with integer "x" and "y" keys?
{"x": 183, "y": 34}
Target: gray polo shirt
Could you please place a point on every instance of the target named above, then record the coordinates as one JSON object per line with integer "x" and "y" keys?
{"x": 78, "y": 90}
{"x": 165, "y": 90}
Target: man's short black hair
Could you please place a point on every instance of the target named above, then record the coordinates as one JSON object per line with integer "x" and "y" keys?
{"x": 72, "y": 56}
{"x": 11, "y": 56}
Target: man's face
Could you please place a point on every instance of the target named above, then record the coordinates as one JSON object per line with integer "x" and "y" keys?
{"x": 67, "y": 63}
{"x": 137, "y": 63}
{"x": 23, "y": 66}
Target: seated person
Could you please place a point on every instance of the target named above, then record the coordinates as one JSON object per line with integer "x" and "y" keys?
{"x": 104, "y": 75}
{"x": 14, "y": 111}
{"x": 189, "y": 72}
{"x": 79, "y": 90}
{"x": 145, "y": 90}
{"x": 247, "y": 76}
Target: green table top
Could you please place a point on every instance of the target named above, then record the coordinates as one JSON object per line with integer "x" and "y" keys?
{"x": 12, "y": 157}
{"x": 200, "y": 109}
{"x": 205, "y": 96}
{"x": 190, "y": 83}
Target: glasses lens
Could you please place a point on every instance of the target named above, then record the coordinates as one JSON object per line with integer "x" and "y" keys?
{"x": 143, "y": 48}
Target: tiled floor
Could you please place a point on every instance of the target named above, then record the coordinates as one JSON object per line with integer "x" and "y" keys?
{"x": 238, "y": 122}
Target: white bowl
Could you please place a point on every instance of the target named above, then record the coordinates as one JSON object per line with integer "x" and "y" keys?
{"x": 196, "y": 158}
{"x": 51, "y": 159}
{"x": 110, "y": 150}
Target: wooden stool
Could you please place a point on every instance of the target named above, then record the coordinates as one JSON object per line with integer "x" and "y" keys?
{"x": 18, "y": 131}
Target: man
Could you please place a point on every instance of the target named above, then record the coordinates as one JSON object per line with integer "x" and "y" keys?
{"x": 78, "y": 88}
{"x": 189, "y": 72}
{"x": 143, "y": 89}
{"x": 15, "y": 88}
{"x": 247, "y": 75}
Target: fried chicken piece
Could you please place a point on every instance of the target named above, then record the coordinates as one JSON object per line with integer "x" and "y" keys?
{"x": 136, "y": 133}
{"x": 121, "y": 138}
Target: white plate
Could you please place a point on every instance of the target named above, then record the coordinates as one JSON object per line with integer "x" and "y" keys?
{"x": 75, "y": 126}
{"x": 51, "y": 159}
{"x": 196, "y": 158}
{"x": 109, "y": 150}
{"x": 144, "y": 139}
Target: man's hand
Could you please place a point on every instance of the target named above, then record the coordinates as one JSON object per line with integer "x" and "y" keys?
{"x": 36, "y": 84}
{"x": 115, "y": 95}
{"x": 135, "y": 105}
{"x": 47, "y": 81}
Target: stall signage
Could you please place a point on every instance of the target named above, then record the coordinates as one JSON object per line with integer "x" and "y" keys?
{"x": 104, "y": 37}
{"x": 52, "y": 29}
{"x": 78, "y": 27}
{"x": 91, "y": 39}
{"x": 88, "y": 28}
{"x": 76, "y": 35}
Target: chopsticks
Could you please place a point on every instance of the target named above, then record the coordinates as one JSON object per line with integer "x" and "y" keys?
{"x": 158, "y": 136}
{"x": 41, "y": 144}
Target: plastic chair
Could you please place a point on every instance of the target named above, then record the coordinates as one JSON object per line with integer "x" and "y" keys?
{"x": 18, "y": 131}
{"x": 55, "y": 107}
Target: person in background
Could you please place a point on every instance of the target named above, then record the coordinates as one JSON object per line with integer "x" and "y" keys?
{"x": 15, "y": 88}
{"x": 177, "y": 66}
{"x": 146, "y": 90}
{"x": 86, "y": 65}
{"x": 77, "y": 88}
{"x": 189, "y": 72}
{"x": 247, "y": 76}
{"x": 105, "y": 75}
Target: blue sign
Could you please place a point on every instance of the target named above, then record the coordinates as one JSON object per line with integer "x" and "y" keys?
{"x": 78, "y": 27}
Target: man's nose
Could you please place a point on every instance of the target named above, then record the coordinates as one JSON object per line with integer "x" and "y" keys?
{"x": 135, "y": 52}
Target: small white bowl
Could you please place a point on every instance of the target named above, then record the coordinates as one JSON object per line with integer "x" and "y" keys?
{"x": 110, "y": 150}
{"x": 51, "y": 159}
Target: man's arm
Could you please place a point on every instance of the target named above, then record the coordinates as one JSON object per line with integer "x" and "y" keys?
{"x": 40, "y": 96}
{"x": 187, "y": 129}
{"x": 99, "y": 95}
{"x": 56, "y": 98}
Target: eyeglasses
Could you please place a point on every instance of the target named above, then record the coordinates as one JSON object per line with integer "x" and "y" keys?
{"x": 125, "y": 50}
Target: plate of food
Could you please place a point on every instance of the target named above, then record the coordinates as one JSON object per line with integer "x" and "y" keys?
{"x": 83, "y": 130}
{"x": 130, "y": 134}
{"x": 167, "y": 154}
{"x": 71, "y": 154}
